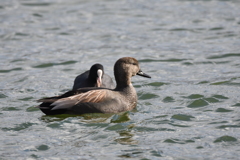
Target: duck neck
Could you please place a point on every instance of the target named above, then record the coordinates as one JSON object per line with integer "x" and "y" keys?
{"x": 91, "y": 77}
{"x": 123, "y": 81}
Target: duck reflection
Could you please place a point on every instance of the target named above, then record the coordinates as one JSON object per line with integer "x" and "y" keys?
{"x": 119, "y": 123}
{"x": 126, "y": 137}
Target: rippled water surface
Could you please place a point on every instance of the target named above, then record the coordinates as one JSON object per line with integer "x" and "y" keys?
{"x": 190, "y": 109}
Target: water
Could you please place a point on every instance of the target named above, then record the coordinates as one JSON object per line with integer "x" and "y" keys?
{"x": 190, "y": 109}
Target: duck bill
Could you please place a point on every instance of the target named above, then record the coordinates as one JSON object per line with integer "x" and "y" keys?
{"x": 140, "y": 73}
{"x": 99, "y": 82}
{"x": 99, "y": 78}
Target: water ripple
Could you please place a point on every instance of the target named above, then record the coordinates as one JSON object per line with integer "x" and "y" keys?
{"x": 45, "y": 65}
{"x": 223, "y": 110}
{"x": 225, "y": 139}
{"x": 182, "y": 117}
{"x": 10, "y": 70}
{"x": 36, "y": 4}
{"x": 163, "y": 60}
{"x": 224, "y": 56}
{"x": 19, "y": 127}
{"x": 179, "y": 141}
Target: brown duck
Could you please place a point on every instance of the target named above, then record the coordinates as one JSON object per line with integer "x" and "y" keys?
{"x": 99, "y": 100}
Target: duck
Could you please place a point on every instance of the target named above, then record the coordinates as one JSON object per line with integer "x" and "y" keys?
{"x": 95, "y": 77}
{"x": 99, "y": 100}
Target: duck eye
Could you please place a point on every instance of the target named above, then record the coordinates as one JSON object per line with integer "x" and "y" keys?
{"x": 134, "y": 63}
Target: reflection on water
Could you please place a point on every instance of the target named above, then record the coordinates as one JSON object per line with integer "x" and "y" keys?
{"x": 189, "y": 109}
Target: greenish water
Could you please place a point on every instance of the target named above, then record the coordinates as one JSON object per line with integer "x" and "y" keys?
{"x": 189, "y": 109}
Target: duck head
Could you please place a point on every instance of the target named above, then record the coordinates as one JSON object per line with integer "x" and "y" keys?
{"x": 96, "y": 73}
{"x": 125, "y": 68}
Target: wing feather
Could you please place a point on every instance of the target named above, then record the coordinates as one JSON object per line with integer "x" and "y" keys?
{"x": 93, "y": 96}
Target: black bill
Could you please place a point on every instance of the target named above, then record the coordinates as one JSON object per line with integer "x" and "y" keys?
{"x": 140, "y": 73}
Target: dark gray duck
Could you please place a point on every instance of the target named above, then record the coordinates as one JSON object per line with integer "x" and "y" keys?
{"x": 99, "y": 100}
{"x": 95, "y": 77}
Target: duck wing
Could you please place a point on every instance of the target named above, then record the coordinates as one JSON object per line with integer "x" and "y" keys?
{"x": 66, "y": 100}
{"x": 93, "y": 96}
{"x": 52, "y": 99}
{"x": 72, "y": 97}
